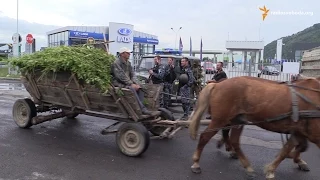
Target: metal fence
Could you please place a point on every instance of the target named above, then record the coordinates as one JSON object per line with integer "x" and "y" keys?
{"x": 267, "y": 69}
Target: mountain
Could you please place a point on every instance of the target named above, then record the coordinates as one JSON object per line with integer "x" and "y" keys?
{"x": 307, "y": 37}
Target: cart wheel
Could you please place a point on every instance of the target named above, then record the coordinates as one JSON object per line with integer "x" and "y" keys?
{"x": 23, "y": 111}
{"x": 132, "y": 139}
{"x": 165, "y": 114}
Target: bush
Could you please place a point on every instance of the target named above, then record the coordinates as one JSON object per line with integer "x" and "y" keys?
{"x": 89, "y": 64}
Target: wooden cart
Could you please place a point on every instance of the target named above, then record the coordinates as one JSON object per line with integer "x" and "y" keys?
{"x": 64, "y": 95}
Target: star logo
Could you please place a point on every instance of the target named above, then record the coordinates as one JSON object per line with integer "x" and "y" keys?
{"x": 264, "y": 12}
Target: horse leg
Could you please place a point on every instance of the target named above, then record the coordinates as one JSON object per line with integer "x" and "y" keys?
{"x": 295, "y": 154}
{"x": 226, "y": 140}
{"x": 235, "y": 142}
{"x": 205, "y": 137}
{"x": 284, "y": 152}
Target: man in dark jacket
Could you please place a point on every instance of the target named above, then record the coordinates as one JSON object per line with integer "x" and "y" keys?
{"x": 122, "y": 76}
{"x": 157, "y": 74}
{"x": 218, "y": 76}
{"x": 168, "y": 82}
{"x": 185, "y": 89}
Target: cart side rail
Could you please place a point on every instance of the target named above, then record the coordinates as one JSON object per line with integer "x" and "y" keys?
{"x": 66, "y": 90}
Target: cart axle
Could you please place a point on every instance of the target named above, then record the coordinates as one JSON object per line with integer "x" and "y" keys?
{"x": 40, "y": 119}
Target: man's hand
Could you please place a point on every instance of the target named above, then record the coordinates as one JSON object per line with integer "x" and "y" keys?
{"x": 135, "y": 86}
{"x": 150, "y": 72}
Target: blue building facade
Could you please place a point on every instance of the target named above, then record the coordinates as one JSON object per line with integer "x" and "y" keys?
{"x": 142, "y": 43}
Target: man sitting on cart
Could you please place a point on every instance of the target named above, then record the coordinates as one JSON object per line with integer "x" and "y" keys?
{"x": 122, "y": 76}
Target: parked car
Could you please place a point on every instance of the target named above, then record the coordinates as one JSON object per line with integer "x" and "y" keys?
{"x": 270, "y": 70}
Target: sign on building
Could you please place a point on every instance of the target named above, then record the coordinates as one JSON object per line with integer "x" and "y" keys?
{"x": 122, "y": 35}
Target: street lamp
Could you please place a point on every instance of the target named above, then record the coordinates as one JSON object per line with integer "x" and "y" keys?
{"x": 175, "y": 42}
{"x": 17, "y": 16}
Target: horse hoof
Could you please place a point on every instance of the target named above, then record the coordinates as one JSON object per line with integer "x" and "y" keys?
{"x": 304, "y": 167}
{"x": 196, "y": 170}
{"x": 250, "y": 175}
{"x": 233, "y": 156}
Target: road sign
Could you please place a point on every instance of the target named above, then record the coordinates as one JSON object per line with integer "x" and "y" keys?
{"x": 16, "y": 38}
{"x": 29, "y": 39}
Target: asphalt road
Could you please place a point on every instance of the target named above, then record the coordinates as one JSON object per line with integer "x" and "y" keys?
{"x": 75, "y": 150}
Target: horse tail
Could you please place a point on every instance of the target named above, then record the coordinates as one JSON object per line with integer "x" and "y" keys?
{"x": 202, "y": 105}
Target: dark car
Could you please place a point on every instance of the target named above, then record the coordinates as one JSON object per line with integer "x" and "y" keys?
{"x": 270, "y": 70}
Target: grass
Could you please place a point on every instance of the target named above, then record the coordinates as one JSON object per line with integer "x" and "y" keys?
{"x": 4, "y": 73}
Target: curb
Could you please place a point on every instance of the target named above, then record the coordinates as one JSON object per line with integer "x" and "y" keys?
{"x": 9, "y": 79}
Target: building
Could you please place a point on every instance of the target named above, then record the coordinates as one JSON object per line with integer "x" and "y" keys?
{"x": 122, "y": 35}
{"x": 5, "y": 50}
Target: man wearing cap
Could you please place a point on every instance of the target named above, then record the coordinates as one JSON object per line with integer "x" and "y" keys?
{"x": 122, "y": 76}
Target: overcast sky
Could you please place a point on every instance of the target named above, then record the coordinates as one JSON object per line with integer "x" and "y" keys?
{"x": 209, "y": 19}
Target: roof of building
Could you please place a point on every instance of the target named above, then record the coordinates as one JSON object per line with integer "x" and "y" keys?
{"x": 97, "y": 29}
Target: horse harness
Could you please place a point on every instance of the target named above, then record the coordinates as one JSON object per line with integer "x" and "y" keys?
{"x": 296, "y": 114}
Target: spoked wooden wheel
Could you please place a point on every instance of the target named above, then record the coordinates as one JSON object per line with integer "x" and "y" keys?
{"x": 23, "y": 111}
{"x": 165, "y": 115}
{"x": 132, "y": 139}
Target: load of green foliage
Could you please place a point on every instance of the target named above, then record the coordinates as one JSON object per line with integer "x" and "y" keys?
{"x": 89, "y": 64}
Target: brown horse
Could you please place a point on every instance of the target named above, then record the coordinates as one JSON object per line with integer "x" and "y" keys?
{"x": 255, "y": 101}
{"x": 295, "y": 155}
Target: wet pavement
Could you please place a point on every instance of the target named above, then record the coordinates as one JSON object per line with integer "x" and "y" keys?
{"x": 65, "y": 149}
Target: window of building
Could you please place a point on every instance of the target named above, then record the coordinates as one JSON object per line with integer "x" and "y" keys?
{"x": 58, "y": 39}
